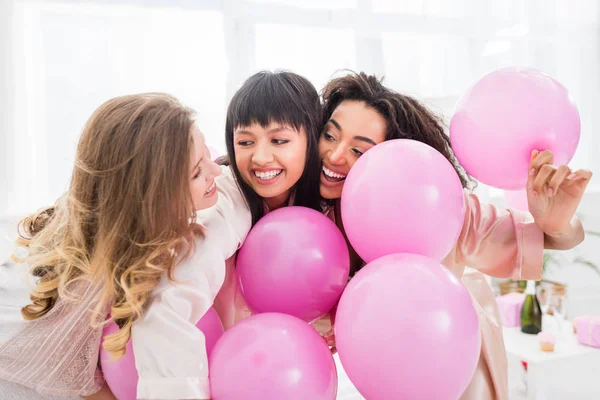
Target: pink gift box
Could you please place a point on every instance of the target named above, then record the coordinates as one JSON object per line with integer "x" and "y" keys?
{"x": 510, "y": 306}
{"x": 588, "y": 330}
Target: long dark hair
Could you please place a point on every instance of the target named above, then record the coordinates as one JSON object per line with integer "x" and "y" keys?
{"x": 285, "y": 98}
{"x": 406, "y": 117}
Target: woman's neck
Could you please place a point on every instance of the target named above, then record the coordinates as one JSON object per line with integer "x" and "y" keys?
{"x": 356, "y": 262}
{"x": 273, "y": 203}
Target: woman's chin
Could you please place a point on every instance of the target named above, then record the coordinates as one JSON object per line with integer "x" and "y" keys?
{"x": 329, "y": 194}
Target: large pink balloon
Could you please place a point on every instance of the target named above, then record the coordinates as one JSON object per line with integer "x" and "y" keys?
{"x": 406, "y": 329}
{"x": 121, "y": 375}
{"x": 504, "y": 117}
{"x": 294, "y": 261}
{"x": 272, "y": 356}
{"x": 402, "y": 196}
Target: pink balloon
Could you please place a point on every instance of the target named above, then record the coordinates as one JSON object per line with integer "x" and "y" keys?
{"x": 504, "y": 117}
{"x": 402, "y": 196}
{"x": 406, "y": 329}
{"x": 272, "y": 356}
{"x": 294, "y": 261}
{"x": 121, "y": 375}
{"x": 212, "y": 328}
{"x": 516, "y": 199}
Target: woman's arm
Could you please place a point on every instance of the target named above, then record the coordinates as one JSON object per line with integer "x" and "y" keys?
{"x": 553, "y": 195}
{"x": 499, "y": 242}
{"x": 170, "y": 351}
{"x": 566, "y": 240}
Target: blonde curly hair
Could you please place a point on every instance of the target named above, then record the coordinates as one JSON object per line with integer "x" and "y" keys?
{"x": 128, "y": 214}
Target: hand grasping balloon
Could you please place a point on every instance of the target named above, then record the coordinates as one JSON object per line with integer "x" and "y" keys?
{"x": 554, "y": 193}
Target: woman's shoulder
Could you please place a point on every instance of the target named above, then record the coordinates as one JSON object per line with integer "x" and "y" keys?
{"x": 228, "y": 188}
{"x": 228, "y": 222}
{"x": 226, "y": 172}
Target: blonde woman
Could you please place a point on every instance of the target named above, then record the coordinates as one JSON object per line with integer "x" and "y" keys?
{"x": 122, "y": 244}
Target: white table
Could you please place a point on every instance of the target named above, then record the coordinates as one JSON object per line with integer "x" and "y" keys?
{"x": 572, "y": 371}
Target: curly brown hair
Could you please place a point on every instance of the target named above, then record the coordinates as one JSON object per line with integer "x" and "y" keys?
{"x": 127, "y": 215}
{"x": 406, "y": 117}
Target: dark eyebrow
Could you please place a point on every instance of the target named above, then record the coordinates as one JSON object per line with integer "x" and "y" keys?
{"x": 365, "y": 139}
{"x": 335, "y": 123}
{"x": 361, "y": 138}
{"x": 281, "y": 128}
{"x": 270, "y": 131}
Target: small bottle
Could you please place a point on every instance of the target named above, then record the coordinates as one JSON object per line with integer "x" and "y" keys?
{"x": 531, "y": 313}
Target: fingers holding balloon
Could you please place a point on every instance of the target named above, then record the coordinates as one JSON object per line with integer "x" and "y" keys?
{"x": 539, "y": 181}
{"x": 539, "y": 159}
{"x": 561, "y": 174}
{"x": 543, "y": 176}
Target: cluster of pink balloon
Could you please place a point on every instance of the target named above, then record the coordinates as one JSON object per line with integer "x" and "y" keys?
{"x": 292, "y": 269}
{"x": 289, "y": 277}
{"x": 405, "y": 321}
{"x": 121, "y": 374}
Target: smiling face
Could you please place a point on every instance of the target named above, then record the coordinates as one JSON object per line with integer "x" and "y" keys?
{"x": 352, "y": 129}
{"x": 203, "y": 172}
{"x": 270, "y": 159}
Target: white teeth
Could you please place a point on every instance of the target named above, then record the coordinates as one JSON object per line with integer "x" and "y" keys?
{"x": 332, "y": 174}
{"x": 265, "y": 176}
{"x": 210, "y": 188}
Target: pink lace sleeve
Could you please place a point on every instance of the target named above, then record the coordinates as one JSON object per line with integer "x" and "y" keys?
{"x": 58, "y": 354}
{"x": 500, "y": 243}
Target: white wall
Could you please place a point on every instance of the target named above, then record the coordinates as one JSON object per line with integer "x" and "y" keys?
{"x": 60, "y": 58}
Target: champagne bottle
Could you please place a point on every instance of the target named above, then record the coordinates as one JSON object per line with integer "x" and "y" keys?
{"x": 531, "y": 313}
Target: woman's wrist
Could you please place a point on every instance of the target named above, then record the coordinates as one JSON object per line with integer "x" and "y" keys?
{"x": 566, "y": 239}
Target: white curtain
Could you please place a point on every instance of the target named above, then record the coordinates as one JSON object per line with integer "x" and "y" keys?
{"x": 61, "y": 59}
